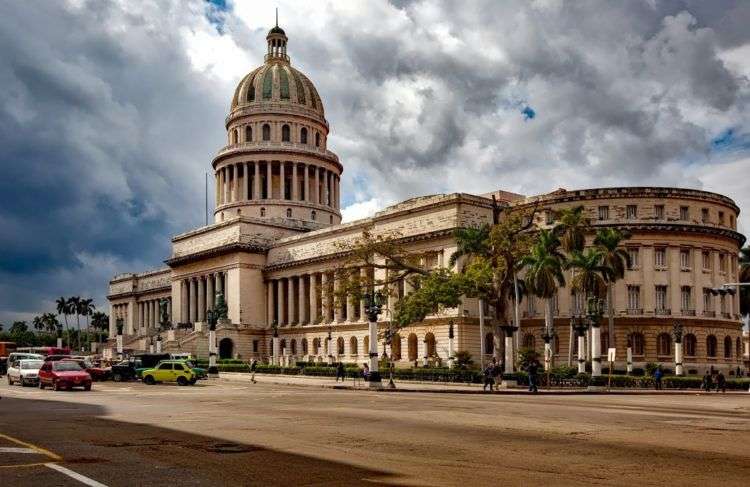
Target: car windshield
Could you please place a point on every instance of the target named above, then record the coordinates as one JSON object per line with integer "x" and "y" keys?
{"x": 189, "y": 364}
{"x": 31, "y": 364}
{"x": 66, "y": 366}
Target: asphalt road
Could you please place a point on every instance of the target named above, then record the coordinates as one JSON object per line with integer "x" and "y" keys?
{"x": 224, "y": 433}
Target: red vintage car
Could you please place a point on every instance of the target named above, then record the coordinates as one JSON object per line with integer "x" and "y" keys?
{"x": 63, "y": 374}
{"x": 96, "y": 373}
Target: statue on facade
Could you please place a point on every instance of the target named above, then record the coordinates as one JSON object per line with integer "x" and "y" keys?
{"x": 164, "y": 322}
{"x": 221, "y": 308}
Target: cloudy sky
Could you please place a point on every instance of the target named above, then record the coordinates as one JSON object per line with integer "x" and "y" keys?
{"x": 110, "y": 111}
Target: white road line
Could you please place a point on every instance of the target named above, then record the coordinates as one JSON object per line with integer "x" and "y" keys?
{"x": 74, "y": 475}
{"x": 10, "y": 449}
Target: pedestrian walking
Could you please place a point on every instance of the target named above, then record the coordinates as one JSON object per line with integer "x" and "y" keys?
{"x": 366, "y": 372}
{"x": 488, "y": 377}
{"x": 721, "y": 382}
{"x": 708, "y": 382}
{"x": 533, "y": 370}
{"x": 253, "y": 368}
{"x": 340, "y": 372}
{"x": 657, "y": 377}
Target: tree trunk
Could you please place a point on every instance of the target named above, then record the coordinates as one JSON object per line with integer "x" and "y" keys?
{"x": 481, "y": 333}
{"x": 611, "y": 315}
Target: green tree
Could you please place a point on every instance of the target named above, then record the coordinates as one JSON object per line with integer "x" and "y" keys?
{"x": 18, "y": 327}
{"x": 591, "y": 275}
{"x": 614, "y": 257}
{"x": 38, "y": 323}
{"x": 86, "y": 308}
{"x": 100, "y": 323}
{"x": 74, "y": 307}
{"x": 63, "y": 309}
{"x": 571, "y": 228}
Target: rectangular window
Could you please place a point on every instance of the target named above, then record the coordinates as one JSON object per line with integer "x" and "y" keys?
{"x": 706, "y": 260}
{"x": 721, "y": 218}
{"x": 255, "y": 346}
{"x": 686, "y": 299}
{"x": 659, "y": 212}
{"x": 549, "y": 217}
{"x": 660, "y": 258}
{"x": 604, "y": 212}
{"x": 684, "y": 213}
{"x": 685, "y": 259}
{"x": 579, "y": 305}
{"x": 731, "y": 221}
{"x": 708, "y": 302}
{"x": 704, "y": 215}
{"x": 722, "y": 263}
{"x": 633, "y": 254}
{"x": 631, "y": 212}
{"x": 661, "y": 298}
{"x": 634, "y": 297}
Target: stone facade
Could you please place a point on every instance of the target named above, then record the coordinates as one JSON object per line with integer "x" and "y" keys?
{"x": 276, "y": 241}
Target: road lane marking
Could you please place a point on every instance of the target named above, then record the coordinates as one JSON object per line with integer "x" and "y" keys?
{"x": 39, "y": 449}
{"x": 10, "y": 449}
{"x": 75, "y": 475}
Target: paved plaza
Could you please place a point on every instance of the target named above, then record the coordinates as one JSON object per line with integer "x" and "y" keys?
{"x": 231, "y": 432}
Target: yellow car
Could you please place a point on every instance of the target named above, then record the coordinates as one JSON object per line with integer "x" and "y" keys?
{"x": 170, "y": 371}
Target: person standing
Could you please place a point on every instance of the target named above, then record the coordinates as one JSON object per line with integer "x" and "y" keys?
{"x": 708, "y": 382}
{"x": 657, "y": 377}
{"x": 721, "y": 382}
{"x": 253, "y": 368}
{"x": 366, "y": 372}
{"x": 340, "y": 372}
{"x": 488, "y": 373}
{"x": 533, "y": 370}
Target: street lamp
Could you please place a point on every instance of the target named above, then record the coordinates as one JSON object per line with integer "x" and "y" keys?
{"x": 677, "y": 330}
{"x": 330, "y": 345}
{"x": 373, "y": 307}
{"x": 548, "y": 335}
{"x": 579, "y": 325}
{"x": 389, "y": 334}
{"x": 451, "y": 357}
{"x": 119, "y": 324}
{"x": 212, "y": 316}
{"x": 594, "y": 314}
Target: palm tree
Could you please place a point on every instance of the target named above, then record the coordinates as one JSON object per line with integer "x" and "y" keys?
{"x": 470, "y": 242}
{"x": 74, "y": 308}
{"x": 62, "y": 309}
{"x": 614, "y": 257}
{"x": 38, "y": 323}
{"x": 571, "y": 228}
{"x": 544, "y": 274}
{"x": 86, "y": 308}
{"x": 100, "y": 322}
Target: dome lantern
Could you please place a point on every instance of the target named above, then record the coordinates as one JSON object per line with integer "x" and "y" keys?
{"x": 277, "y": 40}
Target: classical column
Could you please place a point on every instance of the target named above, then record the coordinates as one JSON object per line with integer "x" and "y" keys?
{"x": 313, "y": 298}
{"x": 301, "y": 303}
{"x": 193, "y": 301}
{"x": 629, "y": 358}
{"x": 148, "y": 315}
{"x": 280, "y": 300}
{"x": 269, "y": 176}
{"x": 245, "y": 181}
{"x": 678, "y": 367}
{"x": 316, "y": 193}
{"x": 227, "y": 188}
{"x": 201, "y": 300}
{"x": 269, "y": 303}
{"x": 216, "y": 188}
{"x": 235, "y": 182}
{"x": 325, "y": 187}
{"x": 184, "y": 315}
{"x": 141, "y": 317}
{"x": 295, "y": 186}
{"x": 324, "y": 296}
{"x": 337, "y": 306}
{"x": 256, "y": 181}
{"x": 290, "y": 301}
{"x": 349, "y": 308}
{"x": 581, "y": 353}
{"x": 282, "y": 180}
{"x": 210, "y": 293}
{"x": 306, "y": 192}
{"x": 596, "y": 353}
{"x": 220, "y": 284}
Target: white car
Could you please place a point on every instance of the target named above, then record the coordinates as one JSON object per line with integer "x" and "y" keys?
{"x": 25, "y": 372}
{"x": 15, "y": 356}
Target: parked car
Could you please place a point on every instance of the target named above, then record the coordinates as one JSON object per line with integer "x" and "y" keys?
{"x": 200, "y": 373}
{"x": 24, "y": 371}
{"x": 148, "y": 361}
{"x": 63, "y": 374}
{"x": 170, "y": 371}
{"x": 125, "y": 370}
{"x": 24, "y": 355}
{"x": 56, "y": 357}
{"x": 96, "y": 373}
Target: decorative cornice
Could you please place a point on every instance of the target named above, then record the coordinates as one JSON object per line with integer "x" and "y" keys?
{"x": 217, "y": 251}
{"x": 675, "y": 228}
{"x": 274, "y": 149}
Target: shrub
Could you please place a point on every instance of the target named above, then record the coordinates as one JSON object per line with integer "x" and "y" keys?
{"x": 637, "y": 371}
{"x": 464, "y": 360}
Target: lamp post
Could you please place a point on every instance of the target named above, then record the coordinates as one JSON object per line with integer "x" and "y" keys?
{"x": 509, "y": 330}
{"x": 373, "y": 307}
{"x": 579, "y": 325}
{"x": 59, "y": 336}
{"x": 548, "y": 335}
{"x": 119, "y": 324}
{"x": 677, "y": 330}
{"x": 594, "y": 313}
{"x": 451, "y": 356}
{"x": 276, "y": 343}
{"x": 212, "y": 316}
{"x": 387, "y": 344}
{"x": 329, "y": 339}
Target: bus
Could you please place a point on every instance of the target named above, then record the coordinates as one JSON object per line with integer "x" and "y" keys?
{"x": 45, "y": 350}
{"x": 6, "y": 348}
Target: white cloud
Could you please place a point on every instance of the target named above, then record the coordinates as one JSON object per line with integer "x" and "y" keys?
{"x": 361, "y": 209}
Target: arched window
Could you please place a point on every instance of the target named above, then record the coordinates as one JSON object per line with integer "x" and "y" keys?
{"x": 663, "y": 344}
{"x": 316, "y": 346}
{"x": 233, "y": 138}
{"x": 366, "y": 345}
{"x": 429, "y": 341}
{"x": 727, "y": 347}
{"x": 303, "y": 135}
{"x": 528, "y": 341}
{"x": 248, "y": 134}
{"x": 262, "y": 212}
{"x": 353, "y": 346}
{"x": 313, "y": 215}
{"x": 282, "y": 346}
{"x": 340, "y": 346}
{"x": 266, "y": 132}
{"x": 288, "y": 212}
{"x": 711, "y": 346}
{"x": 270, "y": 347}
{"x": 317, "y": 139}
{"x": 304, "y": 346}
{"x": 396, "y": 347}
{"x": 293, "y": 344}
{"x": 489, "y": 343}
{"x": 638, "y": 343}
{"x": 285, "y": 133}
{"x": 412, "y": 345}
{"x": 689, "y": 343}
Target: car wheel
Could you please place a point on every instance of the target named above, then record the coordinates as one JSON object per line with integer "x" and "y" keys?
{"x": 87, "y": 387}
{"x": 117, "y": 377}
{"x": 182, "y": 381}
{"x": 56, "y": 386}
{"x": 41, "y": 384}
{"x": 149, "y": 380}
{"x": 193, "y": 381}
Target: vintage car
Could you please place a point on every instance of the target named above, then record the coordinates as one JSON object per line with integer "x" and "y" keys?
{"x": 178, "y": 371}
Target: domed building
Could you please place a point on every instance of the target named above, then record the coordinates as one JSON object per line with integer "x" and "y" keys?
{"x": 276, "y": 240}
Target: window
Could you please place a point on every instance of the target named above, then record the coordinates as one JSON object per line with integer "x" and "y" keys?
{"x": 633, "y": 254}
{"x": 528, "y": 341}
{"x": 293, "y": 344}
{"x": 721, "y": 218}
{"x": 266, "y": 132}
{"x": 727, "y": 347}
{"x": 663, "y": 344}
{"x": 255, "y": 346}
{"x": 685, "y": 259}
{"x": 353, "y": 346}
{"x": 659, "y": 212}
{"x": 313, "y": 215}
{"x": 708, "y": 302}
{"x": 317, "y": 139}
{"x": 689, "y": 344}
{"x": 722, "y": 263}
{"x": 604, "y": 212}
{"x": 661, "y": 298}
{"x": 489, "y": 343}
{"x": 262, "y": 212}
{"x": 579, "y": 303}
{"x": 604, "y": 341}
{"x": 704, "y": 215}
{"x": 706, "y": 260}
{"x": 303, "y": 136}
{"x": 660, "y": 258}
{"x": 711, "y": 346}
{"x": 304, "y": 346}
{"x": 167, "y": 366}
{"x": 285, "y": 133}
{"x": 631, "y": 212}
{"x": 686, "y": 299}
{"x": 637, "y": 343}
{"x": 248, "y": 134}
{"x": 288, "y": 212}
{"x": 178, "y": 367}
{"x": 684, "y": 213}
{"x": 233, "y": 138}
{"x": 723, "y": 303}
{"x": 340, "y": 346}
{"x": 634, "y": 297}
{"x": 549, "y": 217}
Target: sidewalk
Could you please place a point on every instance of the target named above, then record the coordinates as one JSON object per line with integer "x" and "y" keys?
{"x": 438, "y": 387}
